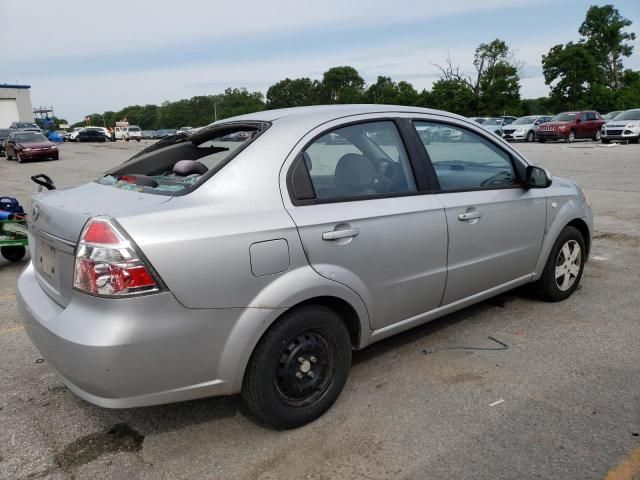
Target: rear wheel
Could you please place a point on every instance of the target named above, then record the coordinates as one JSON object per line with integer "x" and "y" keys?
{"x": 597, "y": 136}
{"x": 13, "y": 254}
{"x": 563, "y": 270}
{"x": 299, "y": 368}
{"x": 530, "y": 136}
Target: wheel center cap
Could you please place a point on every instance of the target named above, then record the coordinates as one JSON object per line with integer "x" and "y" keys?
{"x": 305, "y": 366}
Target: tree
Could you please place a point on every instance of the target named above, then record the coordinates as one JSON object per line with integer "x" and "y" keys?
{"x": 495, "y": 85}
{"x": 603, "y": 35}
{"x": 238, "y": 101}
{"x": 293, "y": 93}
{"x": 451, "y": 95}
{"x": 341, "y": 85}
{"x": 386, "y": 91}
{"x": 571, "y": 71}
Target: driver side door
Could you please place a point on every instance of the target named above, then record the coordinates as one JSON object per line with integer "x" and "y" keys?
{"x": 495, "y": 225}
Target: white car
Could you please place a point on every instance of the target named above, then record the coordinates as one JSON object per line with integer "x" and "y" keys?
{"x": 524, "y": 128}
{"x": 133, "y": 132}
{"x": 626, "y": 126}
{"x": 73, "y": 135}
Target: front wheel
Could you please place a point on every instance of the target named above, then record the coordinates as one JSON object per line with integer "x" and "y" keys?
{"x": 572, "y": 136}
{"x": 563, "y": 270}
{"x": 531, "y": 136}
{"x": 299, "y": 367}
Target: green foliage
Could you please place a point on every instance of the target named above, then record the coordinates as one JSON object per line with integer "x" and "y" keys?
{"x": 452, "y": 96}
{"x": 386, "y": 91}
{"x": 590, "y": 73}
{"x": 341, "y": 85}
{"x": 293, "y": 93}
{"x": 602, "y": 33}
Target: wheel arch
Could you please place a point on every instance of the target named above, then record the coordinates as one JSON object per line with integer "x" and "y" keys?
{"x": 583, "y": 228}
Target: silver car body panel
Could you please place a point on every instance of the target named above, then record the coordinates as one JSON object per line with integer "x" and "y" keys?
{"x": 224, "y": 290}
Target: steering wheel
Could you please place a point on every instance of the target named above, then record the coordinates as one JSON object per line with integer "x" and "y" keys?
{"x": 503, "y": 177}
{"x": 386, "y": 175}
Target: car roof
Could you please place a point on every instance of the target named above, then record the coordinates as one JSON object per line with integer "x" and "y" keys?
{"x": 319, "y": 114}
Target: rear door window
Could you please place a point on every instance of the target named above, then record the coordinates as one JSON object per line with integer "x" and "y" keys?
{"x": 358, "y": 161}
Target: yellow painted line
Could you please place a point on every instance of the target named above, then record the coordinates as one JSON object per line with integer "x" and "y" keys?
{"x": 7, "y": 297}
{"x": 19, "y": 328}
{"x": 628, "y": 469}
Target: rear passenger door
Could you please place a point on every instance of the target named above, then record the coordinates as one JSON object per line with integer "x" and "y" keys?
{"x": 363, "y": 221}
{"x": 495, "y": 226}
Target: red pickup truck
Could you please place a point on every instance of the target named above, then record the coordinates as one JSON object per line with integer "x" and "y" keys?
{"x": 569, "y": 126}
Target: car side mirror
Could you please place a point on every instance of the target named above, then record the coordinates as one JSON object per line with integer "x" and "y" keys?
{"x": 538, "y": 177}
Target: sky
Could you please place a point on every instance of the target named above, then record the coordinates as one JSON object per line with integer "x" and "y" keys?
{"x": 82, "y": 57}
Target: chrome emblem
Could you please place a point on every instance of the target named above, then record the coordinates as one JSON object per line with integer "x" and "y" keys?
{"x": 35, "y": 212}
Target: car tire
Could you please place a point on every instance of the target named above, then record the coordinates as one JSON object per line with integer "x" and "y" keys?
{"x": 19, "y": 158}
{"x": 13, "y": 254}
{"x": 571, "y": 137}
{"x": 298, "y": 368}
{"x": 597, "y": 136}
{"x": 530, "y": 136}
{"x": 605, "y": 140}
{"x": 564, "y": 267}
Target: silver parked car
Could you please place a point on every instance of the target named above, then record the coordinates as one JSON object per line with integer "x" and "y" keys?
{"x": 203, "y": 266}
{"x": 524, "y": 128}
{"x": 625, "y": 126}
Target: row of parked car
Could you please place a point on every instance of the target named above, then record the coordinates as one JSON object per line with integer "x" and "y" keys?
{"x": 567, "y": 126}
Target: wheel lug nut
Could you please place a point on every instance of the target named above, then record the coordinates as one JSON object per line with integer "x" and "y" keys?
{"x": 300, "y": 360}
{"x": 311, "y": 374}
{"x": 313, "y": 359}
{"x": 299, "y": 375}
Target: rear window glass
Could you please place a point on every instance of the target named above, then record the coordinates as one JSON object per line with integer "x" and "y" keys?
{"x": 180, "y": 162}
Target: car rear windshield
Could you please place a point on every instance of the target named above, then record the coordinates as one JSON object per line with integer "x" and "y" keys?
{"x": 564, "y": 117}
{"x": 629, "y": 115}
{"x": 180, "y": 163}
{"x": 30, "y": 138}
{"x": 493, "y": 121}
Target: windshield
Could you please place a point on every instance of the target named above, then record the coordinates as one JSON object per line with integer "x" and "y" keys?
{"x": 30, "y": 138}
{"x": 564, "y": 117}
{"x": 134, "y": 129}
{"x": 612, "y": 115}
{"x": 524, "y": 121}
{"x": 493, "y": 121}
{"x": 629, "y": 115}
{"x": 26, "y": 125}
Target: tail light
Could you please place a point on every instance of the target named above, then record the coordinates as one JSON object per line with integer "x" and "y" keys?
{"x": 108, "y": 263}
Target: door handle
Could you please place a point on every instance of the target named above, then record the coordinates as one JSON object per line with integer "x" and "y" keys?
{"x": 337, "y": 234}
{"x": 469, "y": 216}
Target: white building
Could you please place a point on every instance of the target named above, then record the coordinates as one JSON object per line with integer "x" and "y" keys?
{"x": 15, "y": 104}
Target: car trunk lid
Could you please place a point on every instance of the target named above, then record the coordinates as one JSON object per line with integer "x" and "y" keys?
{"x": 56, "y": 219}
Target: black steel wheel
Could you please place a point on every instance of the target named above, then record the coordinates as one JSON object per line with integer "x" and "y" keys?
{"x": 298, "y": 368}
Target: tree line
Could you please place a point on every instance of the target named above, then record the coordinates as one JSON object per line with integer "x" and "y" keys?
{"x": 587, "y": 73}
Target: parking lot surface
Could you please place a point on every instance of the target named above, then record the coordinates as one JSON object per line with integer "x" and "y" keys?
{"x": 562, "y": 402}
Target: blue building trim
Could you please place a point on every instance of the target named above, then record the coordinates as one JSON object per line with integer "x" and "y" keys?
{"x": 5, "y": 85}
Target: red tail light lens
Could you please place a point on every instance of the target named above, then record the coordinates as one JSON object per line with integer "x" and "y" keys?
{"x": 107, "y": 263}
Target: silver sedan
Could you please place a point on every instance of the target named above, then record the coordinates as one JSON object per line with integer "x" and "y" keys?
{"x": 254, "y": 255}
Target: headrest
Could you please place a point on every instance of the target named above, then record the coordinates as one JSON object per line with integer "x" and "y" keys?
{"x": 189, "y": 167}
{"x": 354, "y": 173}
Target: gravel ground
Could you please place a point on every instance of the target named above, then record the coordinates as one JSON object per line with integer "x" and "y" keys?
{"x": 562, "y": 402}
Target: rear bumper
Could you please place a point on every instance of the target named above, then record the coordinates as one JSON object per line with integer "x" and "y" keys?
{"x": 135, "y": 351}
